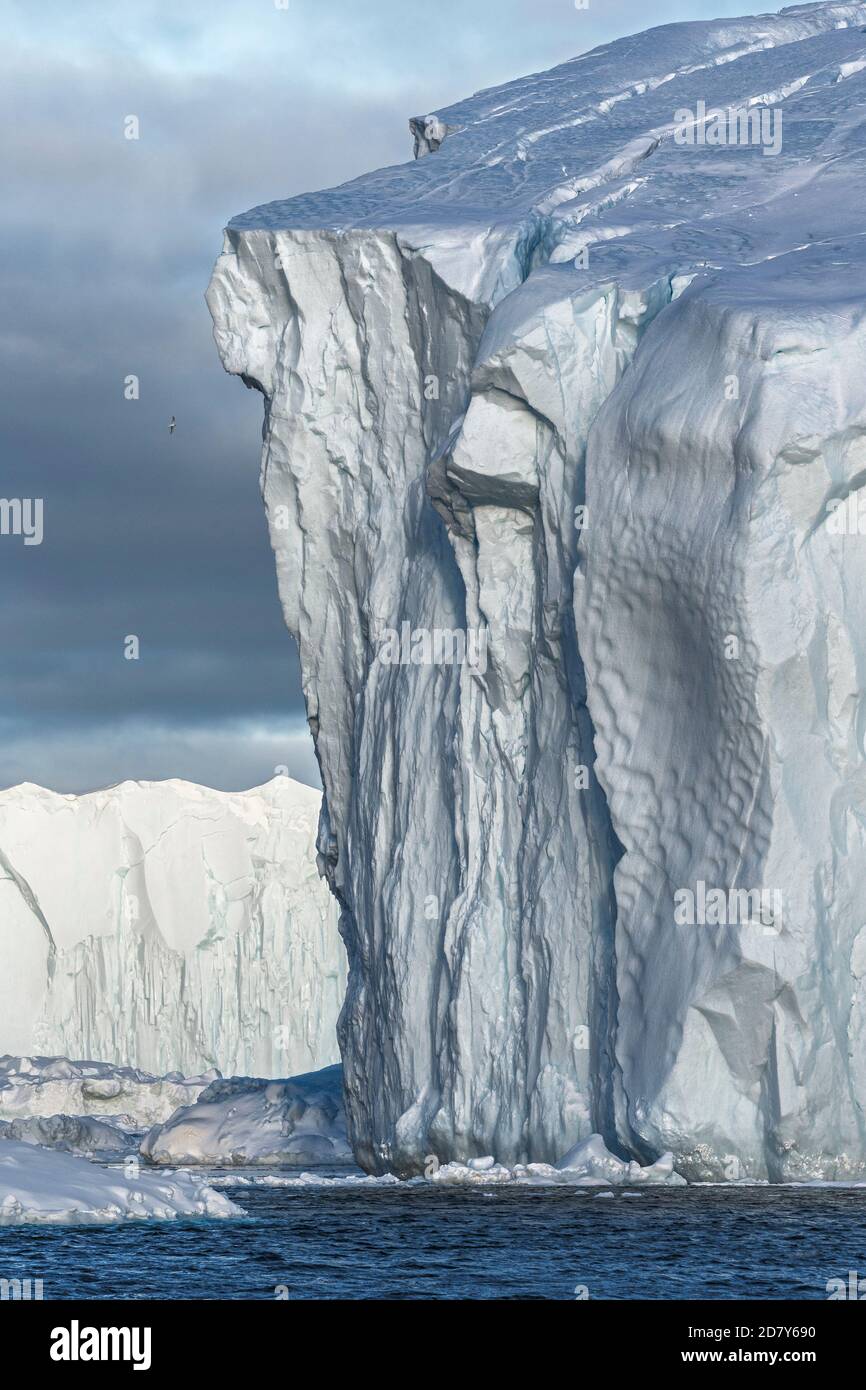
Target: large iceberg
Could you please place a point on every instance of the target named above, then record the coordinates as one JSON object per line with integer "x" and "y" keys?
{"x": 564, "y": 457}
{"x": 170, "y": 927}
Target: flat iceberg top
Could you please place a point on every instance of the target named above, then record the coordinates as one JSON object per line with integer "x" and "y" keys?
{"x": 124, "y": 912}
{"x": 590, "y": 143}
{"x": 280, "y": 791}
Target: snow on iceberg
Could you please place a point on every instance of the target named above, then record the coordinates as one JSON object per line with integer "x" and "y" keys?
{"x": 588, "y": 385}
{"x": 75, "y": 1134}
{"x": 125, "y": 1096}
{"x": 168, "y": 926}
{"x": 243, "y": 1121}
{"x": 44, "y": 1186}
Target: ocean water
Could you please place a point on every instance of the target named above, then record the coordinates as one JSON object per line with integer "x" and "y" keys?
{"x": 432, "y": 1242}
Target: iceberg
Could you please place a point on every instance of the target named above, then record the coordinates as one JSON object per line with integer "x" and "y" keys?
{"x": 244, "y": 1121}
{"x": 169, "y": 927}
{"x": 75, "y": 1134}
{"x": 37, "y": 1088}
{"x": 46, "y": 1187}
{"x": 587, "y": 379}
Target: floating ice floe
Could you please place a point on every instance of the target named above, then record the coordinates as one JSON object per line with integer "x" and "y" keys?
{"x": 44, "y": 1186}
{"x": 588, "y": 1164}
{"x": 313, "y": 1179}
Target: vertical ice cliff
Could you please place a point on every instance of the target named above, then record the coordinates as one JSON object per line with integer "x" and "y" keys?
{"x": 583, "y": 388}
{"x": 168, "y": 926}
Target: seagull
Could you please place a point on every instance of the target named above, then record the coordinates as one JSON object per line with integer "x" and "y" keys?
{"x": 171, "y": 425}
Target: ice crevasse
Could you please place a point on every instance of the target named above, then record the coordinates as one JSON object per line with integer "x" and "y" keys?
{"x": 590, "y": 383}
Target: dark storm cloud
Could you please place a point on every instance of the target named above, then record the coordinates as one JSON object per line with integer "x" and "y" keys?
{"x": 107, "y": 249}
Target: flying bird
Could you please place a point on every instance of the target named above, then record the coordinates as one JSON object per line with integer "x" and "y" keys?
{"x": 171, "y": 425}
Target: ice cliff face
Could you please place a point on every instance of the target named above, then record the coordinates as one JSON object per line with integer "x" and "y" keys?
{"x": 168, "y": 926}
{"x": 586, "y": 384}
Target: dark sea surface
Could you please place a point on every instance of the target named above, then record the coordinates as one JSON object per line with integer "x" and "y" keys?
{"x": 425, "y": 1241}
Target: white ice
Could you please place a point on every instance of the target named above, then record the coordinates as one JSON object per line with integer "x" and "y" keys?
{"x": 588, "y": 1164}
{"x": 48, "y": 1187}
{"x": 75, "y": 1134}
{"x": 563, "y": 306}
{"x": 244, "y": 1122}
{"x": 168, "y": 926}
{"x": 123, "y": 1096}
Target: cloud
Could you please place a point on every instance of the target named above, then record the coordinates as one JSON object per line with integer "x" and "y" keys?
{"x": 235, "y": 755}
{"x": 108, "y": 247}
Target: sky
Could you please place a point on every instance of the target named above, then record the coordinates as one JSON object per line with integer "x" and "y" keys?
{"x": 107, "y": 247}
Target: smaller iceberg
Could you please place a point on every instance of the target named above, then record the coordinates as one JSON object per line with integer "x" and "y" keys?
{"x": 48, "y": 1187}
{"x": 242, "y": 1121}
